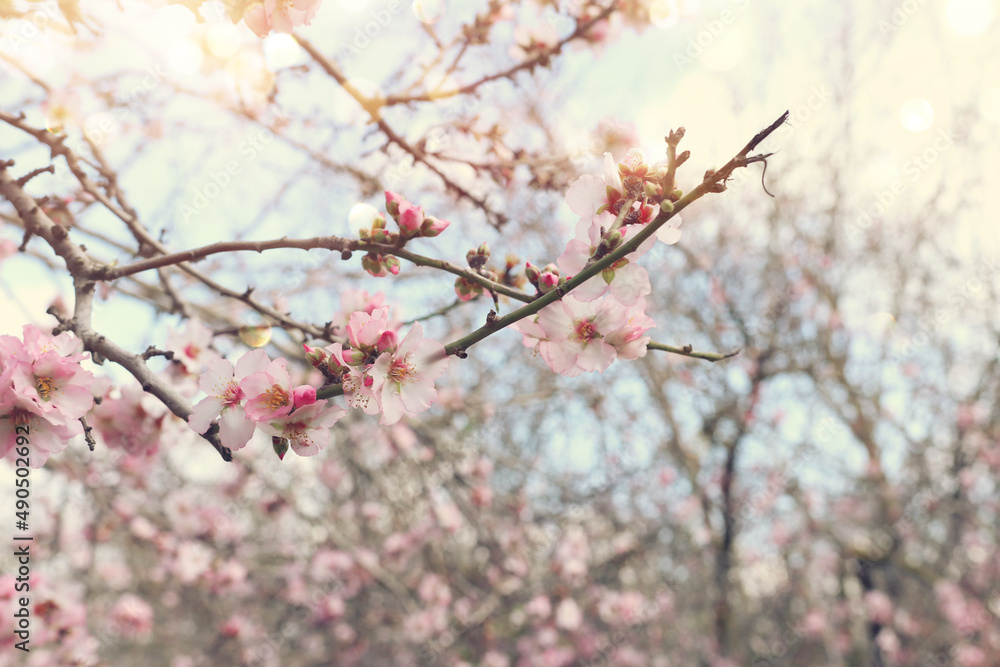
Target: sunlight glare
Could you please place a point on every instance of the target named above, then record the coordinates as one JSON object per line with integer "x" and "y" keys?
{"x": 185, "y": 57}
{"x": 969, "y": 17}
{"x": 916, "y": 114}
{"x": 223, "y": 40}
{"x": 989, "y": 104}
{"x": 281, "y": 51}
{"x": 664, "y": 13}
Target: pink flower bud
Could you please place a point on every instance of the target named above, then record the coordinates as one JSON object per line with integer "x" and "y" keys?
{"x": 315, "y": 355}
{"x": 433, "y": 226}
{"x": 532, "y": 273}
{"x": 387, "y": 341}
{"x": 303, "y": 395}
{"x": 280, "y": 446}
{"x": 547, "y": 282}
{"x": 392, "y": 264}
{"x": 410, "y": 217}
{"x": 392, "y": 202}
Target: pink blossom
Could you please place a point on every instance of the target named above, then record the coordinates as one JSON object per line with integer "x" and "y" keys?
{"x": 530, "y": 41}
{"x": 879, "y": 607}
{"x": 626, "y": 280}
{"x": 539, "y": 606}
{"x": 352, "y": 300}
{"x": 356, "y": 381}
{"x": 7, "y": 249}
{"x": 133, "y": 615}
{"x": 35, "y": 344}
{"x": 191, "y": 561}
{"x": 191, "y": 347}
{"x": 307, "y": 429}
{"x": 364, "y": 328}
{"x": 60, "y": 389}
{"x": 279, "y": 15}
{"x": 222, "y": 384}
{"x": 269, "y": 392}
{"x": 133, "y": 421}
{"x": 629, "y": 341}
{"x": 568, "y": 615}
{"x": 574, "y": 334}
{"x": 403, "y": 379}
{"x": 43, "y": 436}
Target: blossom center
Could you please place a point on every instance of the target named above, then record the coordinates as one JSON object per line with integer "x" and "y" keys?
{"x": 401, "y": 372}
{"x": 46, "y": 387}
{"x": 232, "y": 393}
{"x": 584, "y": 331}
{"x": 275, "y": 397}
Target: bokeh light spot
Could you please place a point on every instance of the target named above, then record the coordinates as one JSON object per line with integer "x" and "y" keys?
{"x": 281, "y": 50}
{"x": 969, "y": 17}
{"x": 185, "y": 57}
{"x": 664, "y": 13}
{"x": 223, "y": 40}
{"x": 256, "y": 334}
{"x": 916, "y": 114}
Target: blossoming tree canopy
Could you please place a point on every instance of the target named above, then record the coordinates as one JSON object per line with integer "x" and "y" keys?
{"x": 368, "y": 333}
{"x": 587, "y": 309}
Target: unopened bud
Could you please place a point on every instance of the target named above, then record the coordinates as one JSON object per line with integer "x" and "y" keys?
{"x": 431, "y": 226}
{"x": 315, "y": 355}
{"x": 676, "y": 194}
{"x": 280, "y": 446}
{"x": 392, "y": 264}
{"x": 667, "y": 206}
{"x": 387, "y": 341}
{"x": 392, "y": 202}
{"x": 532, "y": 273}
{"x": 547, "y": 282}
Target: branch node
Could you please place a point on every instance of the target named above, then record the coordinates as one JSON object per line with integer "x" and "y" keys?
{"x": 21, "y": 182}
{"x": 153, "y": 352}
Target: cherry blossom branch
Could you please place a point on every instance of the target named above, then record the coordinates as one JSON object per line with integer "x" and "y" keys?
{"x": 39, "y": 224}
{"x": 687, "y": 352}
{"x": 147, "y": 243}
{"x": 373, "y": 107}
{"x": 542, "y": 58}
{"x": 332, "y": 243}
{"x": 150, "y": 382}
{"x": 713, "y": 181}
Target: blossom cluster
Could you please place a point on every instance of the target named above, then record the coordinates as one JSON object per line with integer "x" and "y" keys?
{"x": 43, "y": 390}
{"x": 380, "y": 374}
{"x": 413, "y": 223}
{"x": 604, "y": 318}
{"x": 279, "y": 15}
